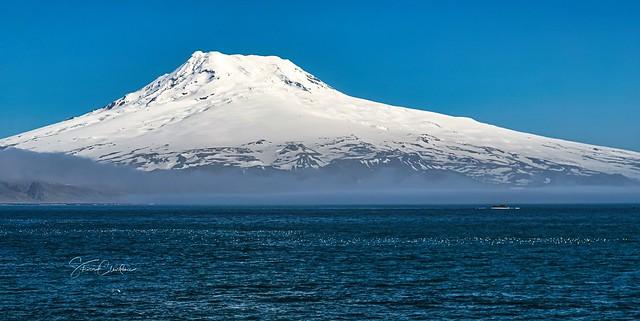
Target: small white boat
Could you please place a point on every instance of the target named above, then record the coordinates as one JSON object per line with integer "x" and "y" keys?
{"x": 503, "y": 207}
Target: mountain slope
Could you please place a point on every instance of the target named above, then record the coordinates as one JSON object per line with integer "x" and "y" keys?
{"x": 41, "y": 192}
{"x": 260, "y": 112}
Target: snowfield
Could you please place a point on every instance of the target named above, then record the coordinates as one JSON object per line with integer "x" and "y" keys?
{"x": 259, "y": 112}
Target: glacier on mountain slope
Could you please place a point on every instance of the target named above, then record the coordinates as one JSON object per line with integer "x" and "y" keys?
{"x": 256, "y": 112}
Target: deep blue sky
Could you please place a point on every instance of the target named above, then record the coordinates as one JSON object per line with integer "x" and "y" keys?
{"x": 566, "y": 69}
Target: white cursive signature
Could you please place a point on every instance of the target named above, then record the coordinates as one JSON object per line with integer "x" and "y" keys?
{"x": 97, "y": 266}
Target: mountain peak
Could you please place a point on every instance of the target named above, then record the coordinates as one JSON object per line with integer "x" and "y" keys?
{"x": 199, "y": 54}
{"x": 206, "y": 74}
{"x": 246, "y": 64}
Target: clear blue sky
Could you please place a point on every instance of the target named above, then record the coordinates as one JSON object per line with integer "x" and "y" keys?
{"x": 566, "y": 69}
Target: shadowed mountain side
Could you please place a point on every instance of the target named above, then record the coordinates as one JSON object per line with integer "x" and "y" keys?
{"x": 42, "y": 192}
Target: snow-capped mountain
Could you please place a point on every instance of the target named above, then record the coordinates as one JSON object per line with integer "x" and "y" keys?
{"x": 266, "y": 113}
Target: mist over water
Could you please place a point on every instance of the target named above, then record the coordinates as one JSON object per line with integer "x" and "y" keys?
{"x": 236, "y": 186}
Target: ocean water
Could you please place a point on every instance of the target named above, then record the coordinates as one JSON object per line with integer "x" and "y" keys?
{"x": 198, "y": 263}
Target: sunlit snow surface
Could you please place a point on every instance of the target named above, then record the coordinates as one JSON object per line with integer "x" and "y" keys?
{"x": 265, "y": 112}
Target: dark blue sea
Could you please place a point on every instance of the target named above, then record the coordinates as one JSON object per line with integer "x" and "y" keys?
{"x": 206, "y": 263}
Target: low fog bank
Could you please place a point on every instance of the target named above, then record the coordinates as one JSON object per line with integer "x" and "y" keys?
{"x": 37, "y": 177}
{"x": 399, "y": 197}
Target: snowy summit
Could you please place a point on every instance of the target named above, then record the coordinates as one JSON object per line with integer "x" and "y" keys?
{"x": 266, "y": 113}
